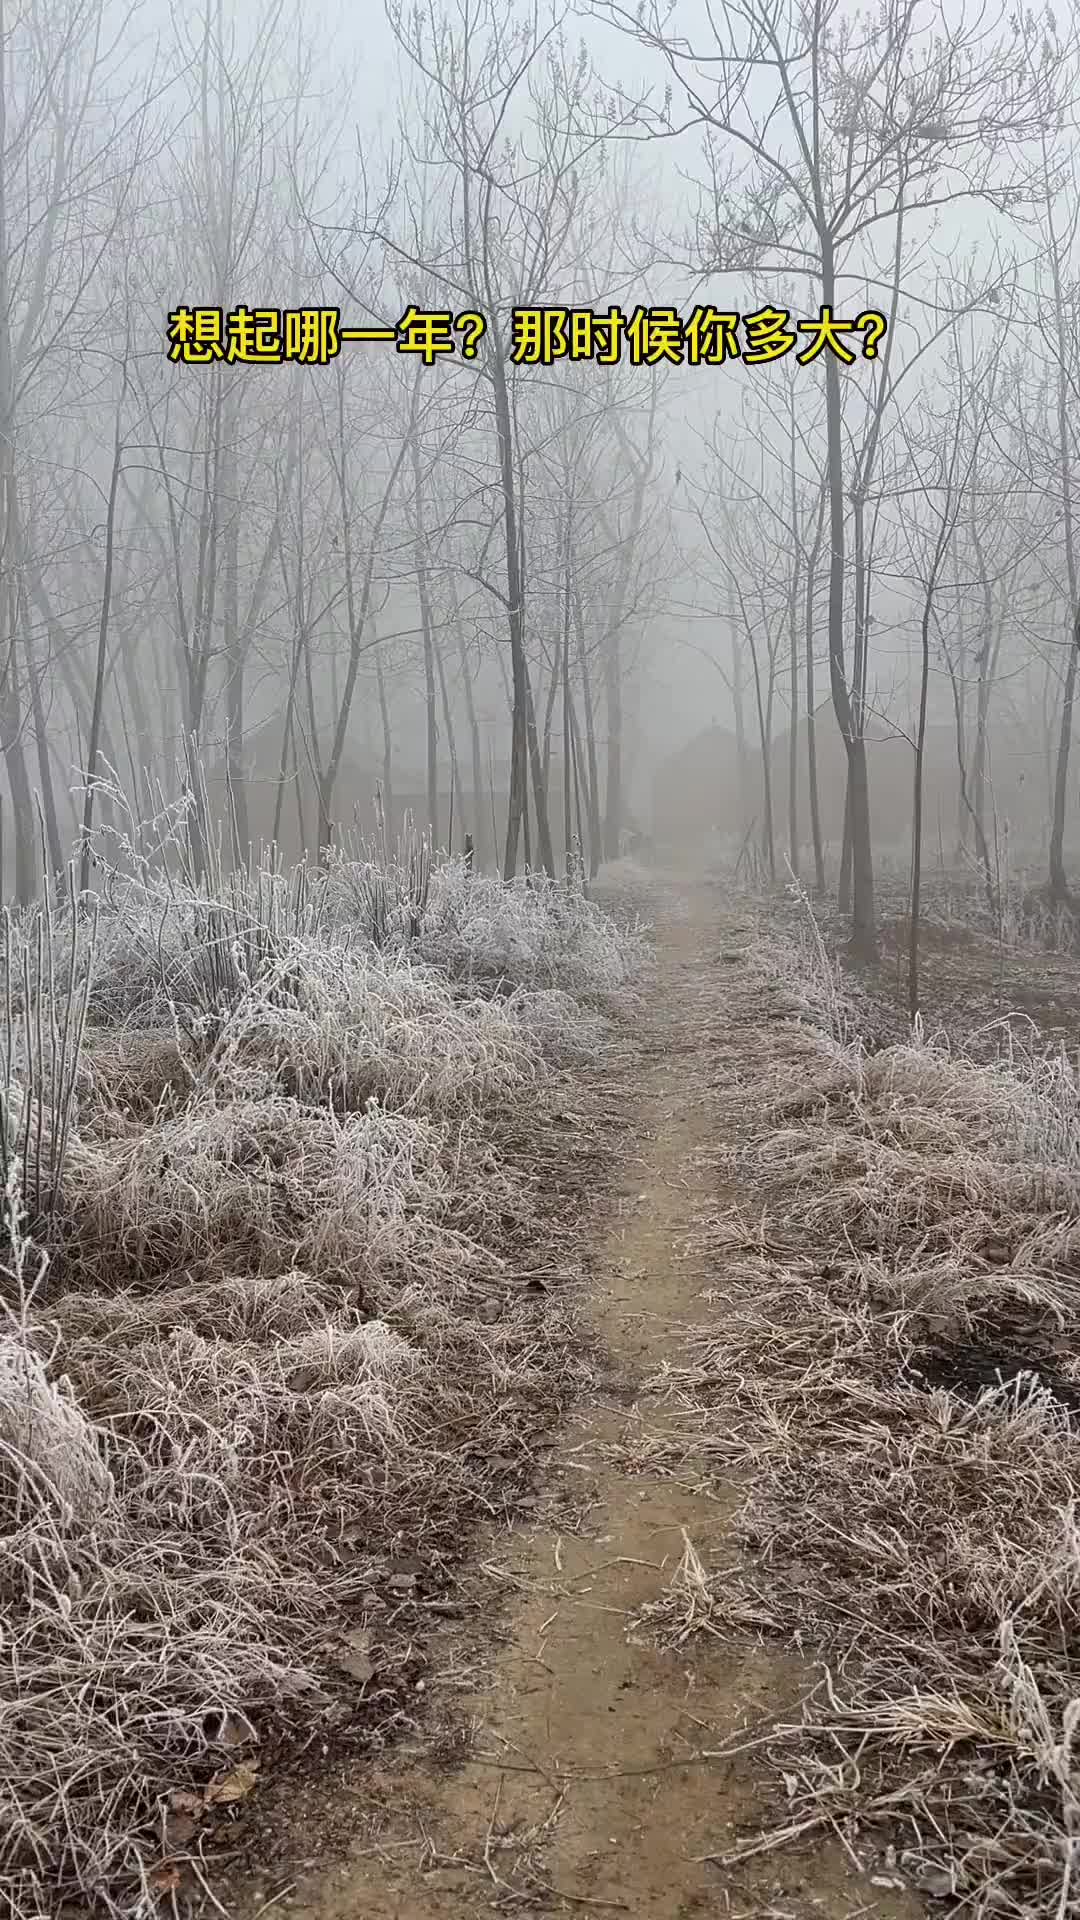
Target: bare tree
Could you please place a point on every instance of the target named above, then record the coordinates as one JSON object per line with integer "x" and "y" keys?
{"x": 821, "y": 133}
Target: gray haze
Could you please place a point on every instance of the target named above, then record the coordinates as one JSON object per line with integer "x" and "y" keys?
{"x": 297, "y": 578}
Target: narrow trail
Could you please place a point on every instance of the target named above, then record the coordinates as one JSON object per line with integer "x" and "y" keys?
{"x": 587, "y": 1785}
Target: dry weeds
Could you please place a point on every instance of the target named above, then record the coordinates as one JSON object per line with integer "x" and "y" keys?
{"x": 299, "y": 1318}
{"x": 888, "y": 1360}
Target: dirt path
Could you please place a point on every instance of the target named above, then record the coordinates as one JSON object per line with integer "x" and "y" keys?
{"x": 587, "y": 1785}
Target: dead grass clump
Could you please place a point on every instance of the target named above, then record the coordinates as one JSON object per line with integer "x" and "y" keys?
{"x": 50, "y": 1457}
{"x": 533, "y": 932}
{"x": 256, "y": 1306}
{"x": 267, "y": 1475}
{"x": 230, "y": 1426}
{"x": 258, "y": 1186}
{"x": 911, "y": 1146}
{"x": 1025, "y": 1110}
{"x": 46, "y": 956}
{"x": 358, "y": 1025}
{"x": 564, "y": 1032}
{"x": 304, "y": 1321}
{"x": 183, "y": 935}
{"x": 138, "y": 1669}
{"x": 811, "y": 977}
{"x": 133, "y": 1076}
{"x": 889, "y": 1364}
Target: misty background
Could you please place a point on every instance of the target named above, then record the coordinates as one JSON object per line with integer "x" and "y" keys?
{"x": 810, "y": 610}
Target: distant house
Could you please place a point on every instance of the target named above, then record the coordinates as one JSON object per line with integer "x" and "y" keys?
{"x": 361, "y": 804}
{"x": 702, "y": 791}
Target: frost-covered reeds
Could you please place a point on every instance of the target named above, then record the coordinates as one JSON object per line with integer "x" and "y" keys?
{"x": 889, "y": 1362}
{"x": 276, "y": 1341}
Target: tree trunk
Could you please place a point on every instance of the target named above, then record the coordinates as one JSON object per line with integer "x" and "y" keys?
{"x": 53, "y": 848}
{"x": 427, "y": 633}
{"x": 811, "y": 716}
{"x": 592, "y": 763}
{"x": 862, "y": 865}
{"x": 843, "y": 891}
{"x": 741, "y": 751}
{"x": 549, "y": 713}
{"x": 99, "y": 671}
{"x": 567, "y": 749}
{"x": 982, "y": 685}
{"x": 480, "y": 822}
{"x": 613, "y": 793}
{"x": 575, "y": 743}
{"x": 233, "y": 654}
{"x": 1059, "y": 884}
{"x": 359, "y": 611}
{"x": 524, "y": 746}
{"x": 766, "y": 759}
{"x": 22, "y": 802}
{"x": 863, "y": 938}
{"x": 793, "y": 645}
{"x": 456, "y": 797}
{"x": 916, "y": 820}
{"x": 515, "y": 620}
{"x": 388, "y": 803}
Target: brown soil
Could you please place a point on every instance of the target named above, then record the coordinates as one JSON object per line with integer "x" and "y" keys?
{"x": 970, "y": 983}
{"x": 572, "y": 1768}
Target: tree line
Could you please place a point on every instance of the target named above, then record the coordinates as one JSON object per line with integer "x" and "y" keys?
{"x": 189, "y": 554}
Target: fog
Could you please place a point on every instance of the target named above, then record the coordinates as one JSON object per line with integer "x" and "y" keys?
{"x": 815, "y": 608}
{"x": 539, "y": 626}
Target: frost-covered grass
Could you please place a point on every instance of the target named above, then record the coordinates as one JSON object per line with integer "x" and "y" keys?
{"x": 347, "y": 1024}
{"x": 888, "y": 1361}
{"x": 267, "y": 1343}
{"x": 533, "y": 932}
